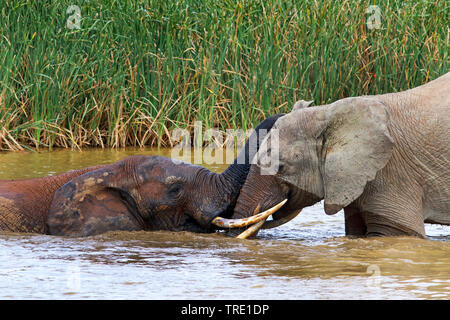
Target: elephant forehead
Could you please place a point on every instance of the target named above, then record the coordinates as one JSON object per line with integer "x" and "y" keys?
{"x": 164, "y": 171}
{"x": 154, "y": 173}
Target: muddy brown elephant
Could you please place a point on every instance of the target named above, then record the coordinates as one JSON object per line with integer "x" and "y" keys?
{"x": 136, "y": 193}
{"x": 383, "y": 159}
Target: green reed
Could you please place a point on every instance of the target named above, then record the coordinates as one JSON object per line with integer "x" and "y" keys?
{"x": 135, "y": 70}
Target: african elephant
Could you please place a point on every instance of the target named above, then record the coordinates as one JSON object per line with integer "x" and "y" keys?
{"x": 384, "y": 159}
{"x": 136, "y": 193}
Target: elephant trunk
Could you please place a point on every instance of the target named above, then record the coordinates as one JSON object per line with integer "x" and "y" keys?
{"x": 259, "y": 193}
{"x": 220, "y": 191}
{"x": 218, "y": 194}
{"x": 233, "y": 178}
{"x": 264, "y": 191}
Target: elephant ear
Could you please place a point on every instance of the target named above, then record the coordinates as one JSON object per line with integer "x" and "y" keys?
{"x": 300, "y": 104}
{"x": 93, "y": 203}
{"x": 356, "y": 145}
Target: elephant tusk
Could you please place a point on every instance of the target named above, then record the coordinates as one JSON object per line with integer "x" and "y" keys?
{"x": 252, "y": 230}
{"x": 278, "y": 222}
{"x": 263, "y": 224}
{"x": 240, "y": 223}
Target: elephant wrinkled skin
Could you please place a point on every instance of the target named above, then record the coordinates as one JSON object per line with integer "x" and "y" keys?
{"x": 384, "y": 159}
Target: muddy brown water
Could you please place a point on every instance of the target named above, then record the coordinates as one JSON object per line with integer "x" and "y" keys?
{"x": 308, "y": 258}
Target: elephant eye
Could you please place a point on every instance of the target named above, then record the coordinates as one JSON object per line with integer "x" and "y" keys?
{"x": 174, "y": 189}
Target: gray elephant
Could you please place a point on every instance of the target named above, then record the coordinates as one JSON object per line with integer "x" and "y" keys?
{"x": 384, "y": 159}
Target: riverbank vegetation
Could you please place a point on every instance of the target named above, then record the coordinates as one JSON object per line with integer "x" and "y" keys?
{"x": 111, "y": 73}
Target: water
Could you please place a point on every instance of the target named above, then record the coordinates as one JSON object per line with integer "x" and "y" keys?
{"x": 308, "y": 258}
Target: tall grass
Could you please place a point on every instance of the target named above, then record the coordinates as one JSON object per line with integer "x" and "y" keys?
{"x": 135, "y": 70}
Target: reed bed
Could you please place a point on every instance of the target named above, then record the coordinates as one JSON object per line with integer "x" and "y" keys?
{"x": 136, "y": 70}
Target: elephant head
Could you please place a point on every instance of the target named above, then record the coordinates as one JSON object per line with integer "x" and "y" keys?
{"x": 153, "y": 193}
{"x": 326, "y": 152}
